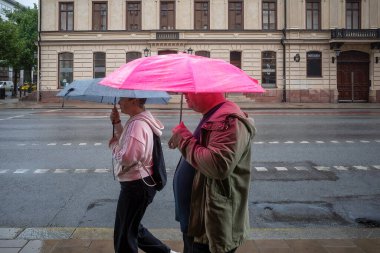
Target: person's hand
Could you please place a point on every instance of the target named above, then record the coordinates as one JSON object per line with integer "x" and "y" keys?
{"x": 112, "y": 140}
{"x": 174, "y": 140}
{"x": 115, "y": 116}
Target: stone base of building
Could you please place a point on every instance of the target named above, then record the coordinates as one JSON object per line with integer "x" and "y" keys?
{"x": 296, "y": 96}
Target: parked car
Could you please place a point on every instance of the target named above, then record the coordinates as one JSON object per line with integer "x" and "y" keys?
{"x": 8, "y": 85}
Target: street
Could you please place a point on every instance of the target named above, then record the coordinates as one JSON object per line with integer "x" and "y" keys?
{"x": 310, "y": 168}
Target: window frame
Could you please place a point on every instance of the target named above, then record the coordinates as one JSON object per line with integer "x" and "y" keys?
{"x": 129, "y": 59}
{"x": 269, "y": 12}
{"x": 233, "y": 61}
{"x": 97, "y": 60}
{"x": 201, "y": 11}
{"x": 232, "y": 26}
{"x": 100, "y": 20}
{"x": 310, "y": 67}
{"x": 60, "y": 63}
{"x": 60, "y": 16}
{"x": 311, "y": 10}
{"x": 203, "y": 53}
{"x": 139, "y": 16}
{"x": 351, "y": 10}
{"x": 174, "y": 16}
{"x": 269, "y": 60}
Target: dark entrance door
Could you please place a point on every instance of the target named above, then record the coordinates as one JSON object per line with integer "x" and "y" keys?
{"x": 353, "y": 77}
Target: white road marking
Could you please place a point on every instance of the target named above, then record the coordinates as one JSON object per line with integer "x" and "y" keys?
{"x": 13, "y": 117}
{"x": 350, "y": 142}
{"x": 322, "y": 168}
{"x": 61, "y": 171}
{"x": 102, "y": 170}
{"x": 81, "y": 171}
{"x": 376, "y": 166}
{"x": 341, "y": 167}
{"x": 300, "y": 168}
{"x": 334, "y": 141}
{"x": 52, "y": 144}
{"x": 21, "y": 171}
{"x": 258, "y": 142}
{"x": 289, "y": 142}
{"x": 273, "y": 142}
{"x": 21, "y": 144}
{"x": 261, "y": 169}
{"x": 304, "y": 142}
{"x": 99, "y": 143}
{"x": 319, "y": 142}
{"x": 3, "y": 171}
{"x": 281, "y": 168}
{"x": 41, "y": 171}
{"x": 66, "y": 144}
{"x": 361, "y": 167}
{"x": 364, "y": 141}
{"x": 82, "y": 144}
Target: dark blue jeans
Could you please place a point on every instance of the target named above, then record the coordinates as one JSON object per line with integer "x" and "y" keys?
{"x": 129, "y": 233}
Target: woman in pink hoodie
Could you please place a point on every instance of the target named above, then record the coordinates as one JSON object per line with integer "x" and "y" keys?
{"x": 132, "y": 148}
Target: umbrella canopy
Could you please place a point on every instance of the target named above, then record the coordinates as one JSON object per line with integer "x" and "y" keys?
{"x": 90, "y": 90}
{"x": 182, "y": 73}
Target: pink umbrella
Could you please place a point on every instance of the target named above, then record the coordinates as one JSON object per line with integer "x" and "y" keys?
{"x": 181, "y": 73}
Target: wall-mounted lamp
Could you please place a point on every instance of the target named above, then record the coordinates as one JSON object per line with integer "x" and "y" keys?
{"x": 190, "y": 50}
{"x": 297, "y": 58}
{"x": 146, "y": 52}
{"x": 377, "y": 60}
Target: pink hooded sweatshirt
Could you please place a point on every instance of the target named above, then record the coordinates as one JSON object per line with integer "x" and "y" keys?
{"x": 133, "y": 152}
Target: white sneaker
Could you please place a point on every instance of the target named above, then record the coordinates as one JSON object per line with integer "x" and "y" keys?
{"x": 172, "y": 251}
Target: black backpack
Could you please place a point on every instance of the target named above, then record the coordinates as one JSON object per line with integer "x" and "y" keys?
{"x": 159, "y": 170}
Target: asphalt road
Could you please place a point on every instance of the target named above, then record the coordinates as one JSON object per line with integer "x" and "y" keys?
{"x": 309, "y": 168}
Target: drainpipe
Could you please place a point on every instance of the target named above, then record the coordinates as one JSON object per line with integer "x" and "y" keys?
{"x": 39, "y": 52}
{"x": 284, "y": 54}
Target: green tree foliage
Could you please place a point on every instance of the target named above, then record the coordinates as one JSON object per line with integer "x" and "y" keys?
{"x": 18, "y": 38}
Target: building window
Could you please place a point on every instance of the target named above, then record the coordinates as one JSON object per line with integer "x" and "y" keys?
{"x": 353, "y": 14}
{"x": 202, "y": 15}
{"x": 269, "y": 15}
{"x": 235, "y": 59}
{"x": 203, "y": 53}
{"x": 314, "y": 64}
{"x": 99, "y": 65}
{"x": 66, "y": 16}
{"x": 268, "y": 69}
{"x": 133, "y": 16}
{"x": 65, "y": 68}
{"x": 167, "y": 15}
{"x": 4, "y": 73}
{"x": 99, "y": 16}
{"x": 133, "y": 56}
{"x": 313, "y": 14}
{"x": 235, "y": 15}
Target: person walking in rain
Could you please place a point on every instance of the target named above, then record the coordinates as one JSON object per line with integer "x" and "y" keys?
{"x": 132, "y": 148}
{"x": 212, "y": 179}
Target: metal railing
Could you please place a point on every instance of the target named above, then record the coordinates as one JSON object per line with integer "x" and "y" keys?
{"x": 167, "y": 35}
{"x": 355, "y": 34}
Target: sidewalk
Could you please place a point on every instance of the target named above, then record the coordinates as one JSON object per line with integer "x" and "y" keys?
{"x": 264, "y": 240}
{"x": 174, "y": 104}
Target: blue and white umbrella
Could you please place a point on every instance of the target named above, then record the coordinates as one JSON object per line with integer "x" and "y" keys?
{"x": 90, "y": 90}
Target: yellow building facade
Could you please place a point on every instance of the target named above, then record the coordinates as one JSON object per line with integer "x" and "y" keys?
{"x": 300, "y": 50}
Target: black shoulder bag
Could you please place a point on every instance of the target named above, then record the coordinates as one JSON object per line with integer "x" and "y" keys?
{"x": 159, "y": 170}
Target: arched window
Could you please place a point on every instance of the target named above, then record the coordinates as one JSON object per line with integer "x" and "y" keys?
{"x": 133, "y": 56}
{"x": 314, "y": 64}
{"x": 203, "y": 53}
{"x": 268, "y": 69}
{"x": 99, "y": 65}
{"x": 65, "y": 69}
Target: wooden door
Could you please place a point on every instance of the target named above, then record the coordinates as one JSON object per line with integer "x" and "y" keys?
{"x": 353, "y": 77}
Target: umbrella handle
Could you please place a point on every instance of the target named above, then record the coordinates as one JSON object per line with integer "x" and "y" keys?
{"x": 113, "y": 126}
{"x": 180, "y": 112}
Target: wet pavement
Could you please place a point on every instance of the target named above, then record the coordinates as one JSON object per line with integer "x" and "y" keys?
{"x": 261, "y": 240}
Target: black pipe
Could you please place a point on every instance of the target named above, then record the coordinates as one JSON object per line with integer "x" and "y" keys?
{"x": 284, "y": 55}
